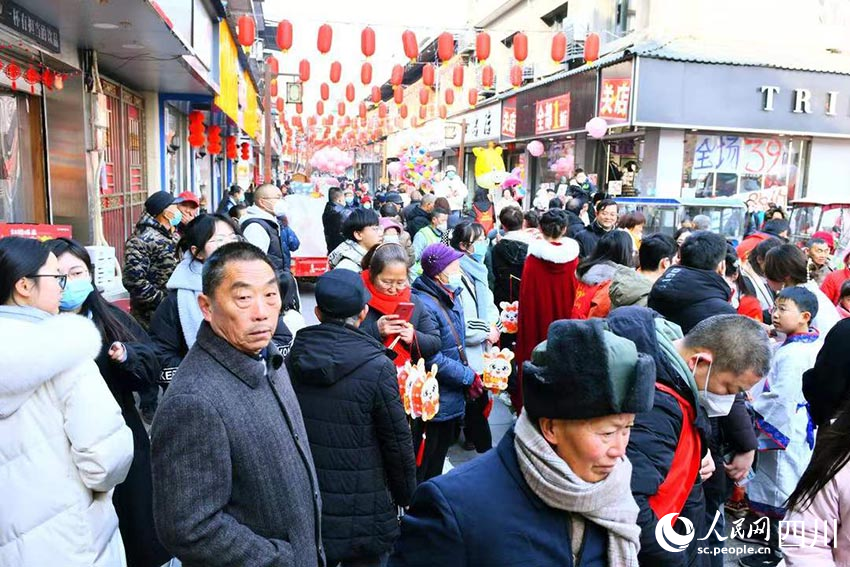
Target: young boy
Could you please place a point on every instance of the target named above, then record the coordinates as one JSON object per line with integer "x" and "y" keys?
{"x": 784, "y": 428}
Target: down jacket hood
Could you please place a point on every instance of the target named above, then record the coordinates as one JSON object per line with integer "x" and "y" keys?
{"x": 36, "y": 352}
{"x": 512, "y": 251}
{"x": 599, "y": 273}
{"x": 323, "y": 355}
{"x": 348, "y": 250}
{"x": 628, "y": 287}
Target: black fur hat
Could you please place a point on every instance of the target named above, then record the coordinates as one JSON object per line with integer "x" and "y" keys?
{"x": 584, "y": 371}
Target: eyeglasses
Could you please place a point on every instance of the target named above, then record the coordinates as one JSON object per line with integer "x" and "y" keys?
{"x": 61, "y": 279}
{"x": 226, "y": 239}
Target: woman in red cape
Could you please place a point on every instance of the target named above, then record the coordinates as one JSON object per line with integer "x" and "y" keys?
{"x": 548, "y": 288}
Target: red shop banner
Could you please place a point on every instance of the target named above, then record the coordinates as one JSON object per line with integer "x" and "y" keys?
{"x": 38, "y": 231}
{"x": 509, "y": 118}
{"x": 552, "y": 114}
{"x": 614, "y": 99}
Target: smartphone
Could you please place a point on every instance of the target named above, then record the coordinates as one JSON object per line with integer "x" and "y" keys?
{"x": 404, "y": 311}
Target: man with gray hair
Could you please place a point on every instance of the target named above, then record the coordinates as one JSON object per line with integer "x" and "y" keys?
{"x": 702, "y": 222}
{"x": 233, "y": 476}
{"x": 420, "y": 217}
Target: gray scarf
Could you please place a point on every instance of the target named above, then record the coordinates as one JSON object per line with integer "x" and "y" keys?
{"x": 608, "y": 503}
{"x": 186, "y": 279}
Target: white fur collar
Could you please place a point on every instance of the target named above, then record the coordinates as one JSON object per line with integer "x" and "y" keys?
{"x": 545, "y": 250}
{"x": 33, "y": 353}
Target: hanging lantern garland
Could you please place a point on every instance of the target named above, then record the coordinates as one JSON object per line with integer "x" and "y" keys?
{"x": 284, "y": 35}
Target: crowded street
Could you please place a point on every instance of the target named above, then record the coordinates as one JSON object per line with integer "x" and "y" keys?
{"x": 474, "y": 283}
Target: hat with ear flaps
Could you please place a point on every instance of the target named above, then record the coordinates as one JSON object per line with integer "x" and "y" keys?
{"x": 585, "y": 371}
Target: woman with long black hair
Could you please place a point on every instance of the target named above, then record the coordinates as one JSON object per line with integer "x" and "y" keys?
{"x": 128, "y": 363}
{"x": 594, "y": 273}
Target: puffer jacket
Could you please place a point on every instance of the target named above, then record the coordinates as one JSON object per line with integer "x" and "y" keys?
{"x": 359, "y": 437}
{"x": 508, "y": 257}
{"x": 628, "y": 287}
{"x": 479, "y": 312}
{"x": 149, "y": 260}
{"x": 686, "y": 296}
{"x": 347, "y": 256}
{"x": 63, "y": 444}
{"x": 453, "y": 374}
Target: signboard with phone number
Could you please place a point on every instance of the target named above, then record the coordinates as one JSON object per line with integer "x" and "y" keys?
{"x": 742, "y": 155}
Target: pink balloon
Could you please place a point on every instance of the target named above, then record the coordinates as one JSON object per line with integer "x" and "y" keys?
{"x": 535, "y": 148}
{"x": 596, "y": 127}
{"x": 394, "y": 169}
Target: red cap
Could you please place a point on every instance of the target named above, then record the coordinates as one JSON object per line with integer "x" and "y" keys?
{"x": 826, "y": 237}
{"x": 187, "y": 197}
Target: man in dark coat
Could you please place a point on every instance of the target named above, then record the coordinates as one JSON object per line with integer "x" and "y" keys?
{"x": 332, "y": 217}
{"x": 420, "y": 216}
{"x": 235, "y": 195}
{"x": 537, "y": 499}
{"x": 573, "y": 207}
{"x": 606, "y": 220}
{"x": 233, "y": 475}
{"x": 359, "y": 437}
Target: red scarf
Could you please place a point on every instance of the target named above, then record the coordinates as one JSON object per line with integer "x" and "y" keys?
{"x": 386, "y": 305}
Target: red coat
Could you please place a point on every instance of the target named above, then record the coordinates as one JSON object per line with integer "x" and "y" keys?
{"x": 546, "y": 295}
{"x": 831, "y": 285}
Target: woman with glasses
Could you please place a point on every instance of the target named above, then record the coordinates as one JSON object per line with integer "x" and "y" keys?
{"x": 63, "y": 443}
{"x": 128, "y": 363}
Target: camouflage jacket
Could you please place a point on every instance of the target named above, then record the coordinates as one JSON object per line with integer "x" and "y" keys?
{"x": 149, "y": 259}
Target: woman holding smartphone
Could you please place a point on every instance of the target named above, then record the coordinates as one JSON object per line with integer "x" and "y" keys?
{"x": 396, "y": 317}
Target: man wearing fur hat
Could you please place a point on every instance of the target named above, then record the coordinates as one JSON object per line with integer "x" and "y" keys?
{"x": 556, "y": 491}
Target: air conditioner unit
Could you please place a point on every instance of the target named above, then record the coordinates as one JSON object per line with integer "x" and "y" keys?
{"x": 576, "y": 32}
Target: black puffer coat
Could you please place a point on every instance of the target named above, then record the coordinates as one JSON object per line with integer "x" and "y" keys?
{"x": 686, "y": 296}
{"x": 508, "y": 259}
{"x": 359, "y": 437}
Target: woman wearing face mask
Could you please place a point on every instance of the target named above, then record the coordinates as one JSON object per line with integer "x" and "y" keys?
{"x": 128, "y": 364}
{"x": 481, "y": 320}
{"x": 438, "y": 289}
{"x": 63, "y": 442}
{"x": 386, "y": 278}
{"x": 394, "y": 233}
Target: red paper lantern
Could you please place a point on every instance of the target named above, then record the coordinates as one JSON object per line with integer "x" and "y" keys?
{"x": 273, "y": 88}
{"x": 311, "y": 121}
{"x": 367, "y": 41}
{"x": 376, "y": 94}
{"x": 246, "y": 30}
{"x": 349, "y": 92}
{"x": 487, "y": 76}
{"x": 428, "y": 73}
{"x": 363, "y": 110}
{"x": 443, "y": 111}
{"x": 296, "y": 121}
{"x": 196, "y": 129}
{"x": 47, "y": 77}
{"x": 397, "y": 75}
{"x": 299, "y": 108}
{"x": 559, "y": 47}
{"x": 366, "y": 73}
{"x": 398, "y": 95}
{"x": 326, "y": 36}
{"x": 320, "y": 108}
{"x": 324, "y": 91}
{"x": 591, "y": 48}
{"x": 411, "y": 47}
{"x": 13, "y": 71}
{"x": 424, "y": 95}
{"x": 340, "y": 108}
{"x": 445, "y": 46}
{"x": 473, "y": 97}
{"x": 482, "y": 46}
{"x": 423, "y": 112}
{"x": 516, "y": 75}
{"x": 450, "y": 97}
{"x": 284, "y": 35}
{"x": 402, "y": 111}
{"x": 246, "y": 151}
{"x": 304, "y": 70}
{"x": 457, "y": 75}
{"x": 32, "y": 76}
{"x": 382, "y": 110}
{"x": 520, "y": 47}
{"x": 336, "y": 71}
{"x": 279, "y": 105}
{"x": 273, "y": 65}
{"x": 231, "y": 147}
{"x": 214, "y": 140}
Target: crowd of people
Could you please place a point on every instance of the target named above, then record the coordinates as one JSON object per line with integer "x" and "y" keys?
{"x": 652, "y": 374}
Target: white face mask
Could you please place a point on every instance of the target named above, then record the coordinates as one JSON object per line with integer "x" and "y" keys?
{"x": 391, "y": 239}
{"x": 279, "y": 208}
{"x": 716, "y": 405}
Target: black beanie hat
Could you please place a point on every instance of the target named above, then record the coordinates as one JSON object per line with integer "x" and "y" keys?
{"x": 158, "y": 202}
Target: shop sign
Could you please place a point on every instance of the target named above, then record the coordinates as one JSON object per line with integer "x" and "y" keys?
{"x": 614, "y": 100}
{"x": 40, "y": 232}
{"x": 31, "y": 26}
{"x": 509, "y": 118}
{"x": 482, "y": 125}
{"x": 238, "y": 97}
{"x": 742, "y": 155}
{"x": 552, "y": 114}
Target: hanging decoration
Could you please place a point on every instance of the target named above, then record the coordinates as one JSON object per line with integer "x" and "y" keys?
{"x": 445, "y": 47}
{"x": 336, "y": 71}
{"x": 424, "y": 95}
{"x": 284, "y": 35}
{"x": 340, "y": 108}
{"x": 402, "y": 110}
{"x": 473, "y": 96}
{"x": 376, "y": 94}
{"x": 487, "y": 76}
{"x": 417, "y": 167}
{"x": 331, "y": 160}
{"x": 33, "y": 77}
{"x": 273, "y": 88}
{"x": 273, "y": 65}
{"x": 520, "y": 47}
{"x": 411, "y": 47}
{"x": 214, "y": 140}
{"x": 324, "y": 91}
{"x": 398, "y": 95}
{"x": 497, "y": 369}
{"x": 196, "y": 128}
{"x": 13, "y": 72}
{"x": 482, "y": 46}
{"x": 367, "y": 42}
{"x": 246, "y": 29}
{"x": 457, "y": 75}
{"x": 304, "y": 70}
{"x": 596, "y": 127}
{"x": 559, "y": 47}
{"x": 59, "y": 82}
{"x": 382, "y": 109}
{"x": 349, "y": 92}
{"x": 320, "y": 108}
{"x": 231, "y": 148}
{"x": 363, "y": 110}
{"x": 397, "y": 75}
{"x": 535, "y": 148}
{"x": 325, "y": 39}
{"x": 443, "y": 111}
{"x": 279, "y": 105}
{"x": 366, "y": 73}
{"x": 591, "y": 48}
{"x": 423, "y": 112}
{"x": 246, "y": 151}
{"x": 428, "y": 74}
{"x": 449, "y": 97}
{"x": 47, "y": 78}
{"x": 516, "y": 76}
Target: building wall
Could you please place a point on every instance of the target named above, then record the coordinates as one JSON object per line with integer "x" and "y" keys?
{"x": 828, "y": 178}
{"x": 153, "y": 142}
{"x": 663, "y": 159}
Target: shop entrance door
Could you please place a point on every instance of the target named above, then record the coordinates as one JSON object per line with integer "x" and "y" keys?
{"x": 23, "y": 194}
{"x": 623, "y": 159}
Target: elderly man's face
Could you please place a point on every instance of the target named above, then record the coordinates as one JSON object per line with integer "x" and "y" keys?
{"x": 245, "y": 307}
{"x": 591, "y": 447}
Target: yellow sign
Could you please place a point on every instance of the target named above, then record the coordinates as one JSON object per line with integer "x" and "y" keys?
{"x": 233, "y": 80}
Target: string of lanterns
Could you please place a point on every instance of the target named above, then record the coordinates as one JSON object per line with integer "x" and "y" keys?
{"x": 34, "y": 73}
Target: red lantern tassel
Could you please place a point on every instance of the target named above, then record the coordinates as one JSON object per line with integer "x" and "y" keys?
{"x": 420, "y": 454}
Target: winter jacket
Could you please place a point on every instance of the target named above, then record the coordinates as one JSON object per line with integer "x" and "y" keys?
{"x": 63, "y": 444}
{"x": 508, "y": 257}
{"x": 817, "y": 543}
{"x": 425, "y": 237}
{"x": 149, "y": 259}
{"x": 831, "y": 285}
{"x": 827, "y": 316}
{"x": 588, "y": 238}
{"x": 225, "y": 205}
{"x": 483, "y": 513}
{"x": 574, "y": 224}
{"x": 629, "y": 287}
{"x": 592, "y": 291}
{"x": 655, "y": 435}
{"x": 332, "y": 218}
{"x": 453, "y": 374}
{"x": 416, "y": 219}
{"x": 348, "y": 392}
{"x": 263, "y": 230}
{"x": 289, "y": 243}
{"x": 826, "y": 385}
{"x": 427, "y": 343}
{"x": 233, "y": 475}
{"x": 479, "y": 312}
{"x": 347, "y": 256}
{"x": 686, "y": 296}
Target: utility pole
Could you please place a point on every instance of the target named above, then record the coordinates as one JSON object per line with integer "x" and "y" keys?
{"x": 267, "y": 129}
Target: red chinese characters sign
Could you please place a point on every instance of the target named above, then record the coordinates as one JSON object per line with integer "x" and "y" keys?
{"x": 509, "y": 118}
{"x": 38, "y": 231}
{"x": 552, "y": 114}
{"x": 614, "y": 100}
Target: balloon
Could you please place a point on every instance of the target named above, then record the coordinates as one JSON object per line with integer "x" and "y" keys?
{"x": 535, "y": 148}
{"x": 596, "y": 127}
{"x": 394, "y": 169}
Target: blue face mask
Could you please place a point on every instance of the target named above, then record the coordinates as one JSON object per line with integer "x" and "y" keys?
{"x": 349, "y": 201}
{"x": 75, "y": 293}
{"x": 176, "y": 219}
{"x": 455, "y": 280}
{"x": 479, "y": 250}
